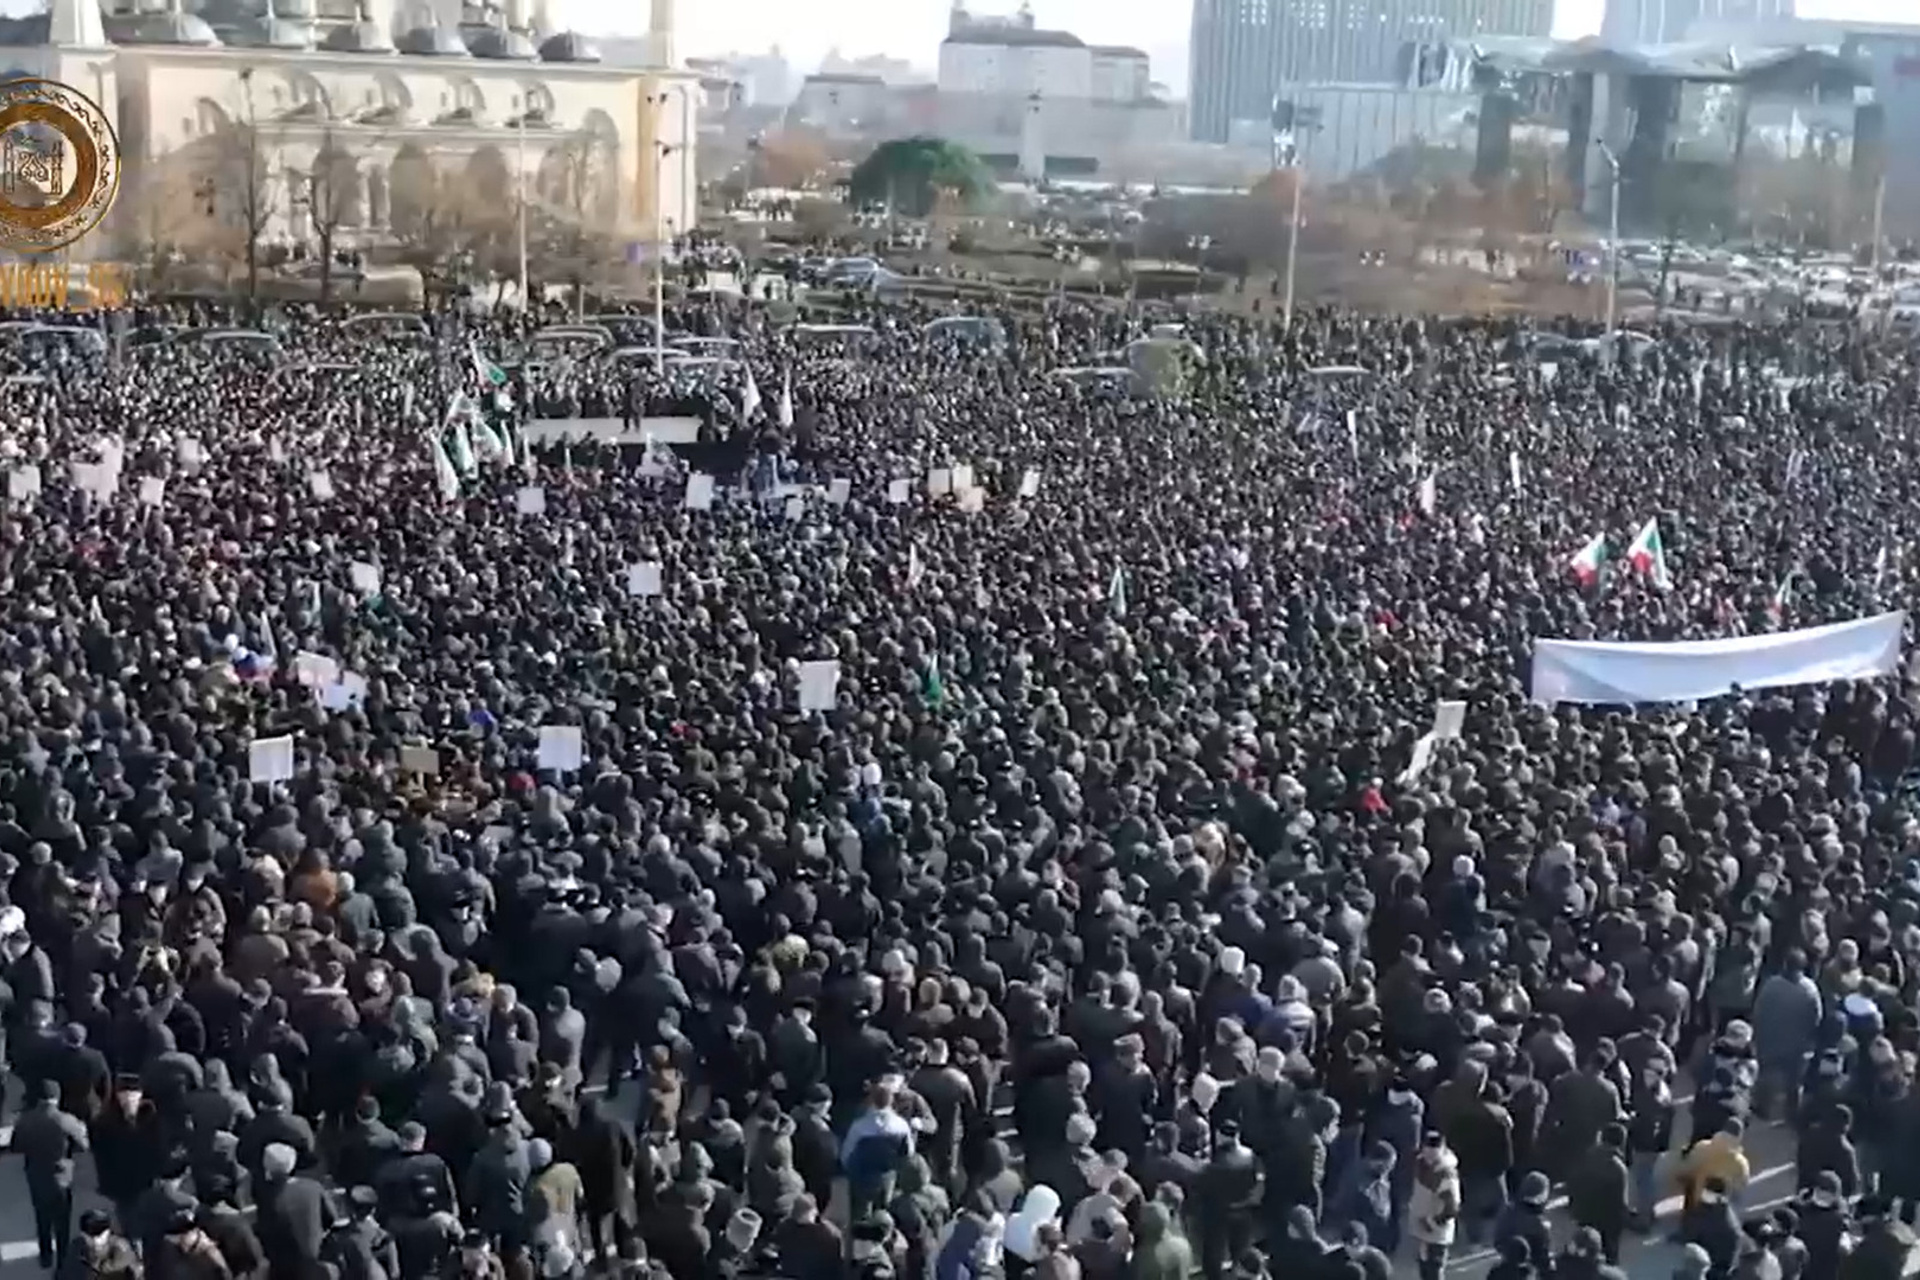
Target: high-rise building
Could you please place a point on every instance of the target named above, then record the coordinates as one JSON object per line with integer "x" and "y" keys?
{"x": 1242, "y": 51}
{"x": 1641, "y": 22}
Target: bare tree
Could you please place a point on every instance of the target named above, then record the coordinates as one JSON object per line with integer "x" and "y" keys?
{"x": 238, "y": 182}
{"x": 791, "y": 158}
{"x": 165, "y": 217}
{"x": 575, "y": 208}
{"x": 333, "y": 194}
{"x": 433, "y": 219}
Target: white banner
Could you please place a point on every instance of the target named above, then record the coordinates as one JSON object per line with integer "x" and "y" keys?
{"x": 1687, "y": 670}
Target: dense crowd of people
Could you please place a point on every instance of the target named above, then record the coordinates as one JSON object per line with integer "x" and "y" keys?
{"x": 1098, "y": 928}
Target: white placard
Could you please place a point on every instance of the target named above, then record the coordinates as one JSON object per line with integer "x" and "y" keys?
{"x": 270, "y": 759}
{"x": 23, "y": 483}
{"x": 315, "y": 670}
{"x": 840, "y": 491}
{"x": 153, "y": 491}
{"x": 320, "y": 485}
{"x": 962, "y": 478}
{"x": 276, "y": 450}
{"x": 561, "y": 748}
{"x": 699, "y": 492}
{"x": 364, "y": 577}
{"x": 819, "y": 684}
{"x": 1422, "y": 757}
{"x": 1449, "y": 718}
{"x": 95, "y": 479}
{"x": 1030, "y": 483}
{"x": 973, "y": 498}
{"x": 796, "y": 509}
{"x": 899, "y": 492}
{"x": 424, "y": 760}
{"x": 344, "y": 694}
{"x": 939, "y": 482}
{"x": 191, "y": 454}
{"x": 643, "y": 579}
{"x": 530, "y": 500}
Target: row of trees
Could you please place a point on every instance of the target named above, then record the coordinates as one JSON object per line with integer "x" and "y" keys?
{"x": 218, "y": 204}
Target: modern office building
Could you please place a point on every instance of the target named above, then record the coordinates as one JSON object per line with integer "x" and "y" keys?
{"x": 1881, "y": 121}
{"x": 1648, "y": 22}
{"x": 1243, "y": 51}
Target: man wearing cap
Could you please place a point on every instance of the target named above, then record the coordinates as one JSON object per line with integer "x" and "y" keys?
{"x": 295, "y": 1213}
{"x": 49, "y": 1139}
{"x": 357, "y": 1245}
{"x": 99, "y": 1252}
{"x": 417, "y": 1182}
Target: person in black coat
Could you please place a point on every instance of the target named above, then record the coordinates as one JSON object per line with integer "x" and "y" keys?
{"x": 295, "y": 1212}
{"x": 603, "y": 1151}
{"x": 50, "y": 1139}
{"x": 1230, "y": 1189}
{"x": 1710, "y": 1222}
{"x": 1597, "y": 1191}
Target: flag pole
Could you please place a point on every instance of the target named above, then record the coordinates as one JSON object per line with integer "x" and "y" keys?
{"x": 520, "y": 217}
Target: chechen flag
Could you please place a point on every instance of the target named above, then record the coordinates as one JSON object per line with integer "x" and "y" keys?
{"x": 1586, "y": 561}
{"x": 1648, "y": 554}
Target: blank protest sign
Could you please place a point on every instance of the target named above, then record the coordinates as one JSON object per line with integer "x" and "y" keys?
{"x": 561, "y": 748}
{"x": 270, "y": 759}
{"x": 819, "y": 685}
{"x": 423, "y": 760}
{"x": 644, "y": 579}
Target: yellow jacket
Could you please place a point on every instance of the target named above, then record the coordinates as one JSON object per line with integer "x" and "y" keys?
{"x": 1718, "y": 1157}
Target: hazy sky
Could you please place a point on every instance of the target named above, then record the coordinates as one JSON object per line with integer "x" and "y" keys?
{"x": 912, "y": 29}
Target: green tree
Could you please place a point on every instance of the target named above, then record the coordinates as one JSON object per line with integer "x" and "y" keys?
{"x": 911, "y": 174}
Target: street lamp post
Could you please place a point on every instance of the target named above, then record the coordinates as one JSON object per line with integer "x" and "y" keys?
{"x": 1613, "y": 242}
{"x": 1293, "y": 234}
{"x": 520, "y": 202}
{"x": 659, "y": 244}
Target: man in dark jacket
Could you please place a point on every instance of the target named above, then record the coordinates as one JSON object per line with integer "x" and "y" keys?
{"x": 295, "y": 1213}
{"x": 357, "y": 1246}
{"x": 1649, "y": 1134}
{"x": 1597, "y": 1194}
{"x": 603, "y": 1151}
{"x": 1230, "y": 1189}
{"x": 1827, "y": 1147}
{"x": 99, "y": 1252}
{"x": 49, "y": 1139}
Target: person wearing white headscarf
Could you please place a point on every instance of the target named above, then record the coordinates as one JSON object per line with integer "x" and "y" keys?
{"x": 1040, "y": 1207}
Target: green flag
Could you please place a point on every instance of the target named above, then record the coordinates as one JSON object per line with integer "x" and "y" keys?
{"x": 460, "y": 447}
{"x": 443, "y": 470}
{"x": 932, "y": 689}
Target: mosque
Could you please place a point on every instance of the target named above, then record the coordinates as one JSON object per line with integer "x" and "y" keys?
{"x": 392, "y": 120}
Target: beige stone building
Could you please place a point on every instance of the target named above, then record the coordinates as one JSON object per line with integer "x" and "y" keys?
{"x": 388, "y": 121}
